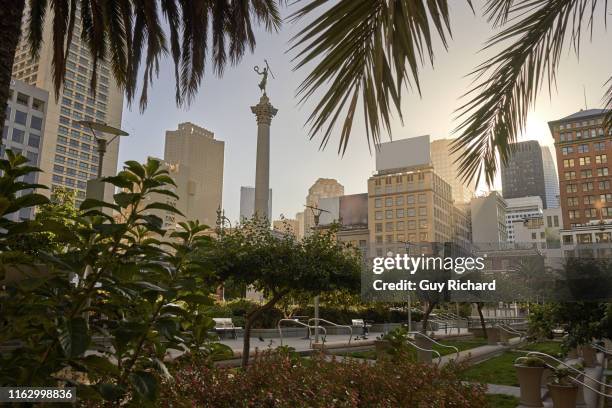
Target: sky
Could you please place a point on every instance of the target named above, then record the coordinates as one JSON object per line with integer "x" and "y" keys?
{"x": 223, "y": 107}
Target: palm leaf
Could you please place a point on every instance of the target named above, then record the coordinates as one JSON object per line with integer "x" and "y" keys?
{"x": 507, "y": 85}
{"x": 364, "y": 51}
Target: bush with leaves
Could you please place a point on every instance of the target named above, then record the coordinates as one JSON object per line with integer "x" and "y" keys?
{"x": 103, "y": 312}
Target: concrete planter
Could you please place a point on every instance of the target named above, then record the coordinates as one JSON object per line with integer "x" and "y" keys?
{"x": 589, "y": 355}
{"x": 530, "y": 381}
{"x": 563, "y": 396}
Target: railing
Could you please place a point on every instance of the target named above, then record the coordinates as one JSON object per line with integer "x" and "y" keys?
{"x": 318, "y": 320}
{"x": 574, "y": 369}
{"x": 510, "y": 330}
{"x": 415, "y": 333}
{"x": 308, "y": 327}
{"x": 426, "y": 350}
{"x": 602, "y": 349}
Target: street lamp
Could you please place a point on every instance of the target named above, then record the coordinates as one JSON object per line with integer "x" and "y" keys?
{"x": 316, "y": 212}
{"x": 407, "y": 245}
{"x": 95, "y": 187}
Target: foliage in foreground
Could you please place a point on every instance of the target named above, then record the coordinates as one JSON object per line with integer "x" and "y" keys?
{"x": 105, "y": 301}
{"x": 285, "y": 380}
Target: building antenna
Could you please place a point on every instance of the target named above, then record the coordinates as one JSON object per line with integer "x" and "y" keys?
{"x": 585, "y": 100}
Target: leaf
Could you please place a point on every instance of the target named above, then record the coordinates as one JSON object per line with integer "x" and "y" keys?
{"x": 93, "y": 203}
{"x": 74, "y": 337}
{"x": 120, "y": 180}
{"x": 149, "y": 286}
{"x": 124, "y": 200}
{"x": 110, "y": 392}
{"x": 161, "y": 368}
{"x": 101, "y": 365}
{"x": 144, "y": 384}
{"x": 163, "y": 206}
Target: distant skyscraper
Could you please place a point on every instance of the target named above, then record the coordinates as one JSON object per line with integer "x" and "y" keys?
{"x": 322, "y": 188}
{"x": 200, "y": 163}
{"x": 520, "y": 210}
{"x": 551, "y": 180}
{"x": 23, "y": 129}
{"x": 247, "y": 203}
{"x": 68, "y": 154}
{"x": 445, "y": 166}
{"x": 523, "y": 174}
{"x": 488, "y": 215}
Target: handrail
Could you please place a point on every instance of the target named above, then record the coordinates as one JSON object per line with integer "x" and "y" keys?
{"x": 350, "y": 328}
{"x": 539, "y": 353}
{"x": 308, "y": 327}
{"x": 436, "y": 342}
{"x": 423, "y": 349}
{"x": 600, "y": 348}
{"x": 510, "y": 330}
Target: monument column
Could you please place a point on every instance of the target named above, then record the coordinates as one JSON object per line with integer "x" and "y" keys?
{"x": 264, "y": 112}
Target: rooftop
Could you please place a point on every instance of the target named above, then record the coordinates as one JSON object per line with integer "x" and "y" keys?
{"x": 584, "y": 113}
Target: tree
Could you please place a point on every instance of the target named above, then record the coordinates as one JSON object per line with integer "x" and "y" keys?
{"x": 367, "y": 52}
{"x": 280, "y": 266}
{"x": 101, "y": 311}
{"x": 128, "y": 33}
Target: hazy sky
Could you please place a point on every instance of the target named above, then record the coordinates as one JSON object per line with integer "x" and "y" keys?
{"x": 223, "y": 106}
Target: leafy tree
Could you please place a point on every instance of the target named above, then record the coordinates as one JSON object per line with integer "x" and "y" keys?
{"x": 103, "y": 312}
{"x": 280, "y": 266}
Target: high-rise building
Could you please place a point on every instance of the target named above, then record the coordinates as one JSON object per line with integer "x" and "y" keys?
{"x": 520, "y": 210}
{"x": 200, "y": 160}
{"x": 523, "y": 174}
{"x": 410, "y": 205}
{"x": 489, "y": 220}
{"x": 551, "y": 179}
{"x": 446, "y": 166}
{"x": 68, "y": 154}
{"x": 247, "y": 203}
{"x": 583, "y": 146}
{"x": 23, "y": 129}
{"x": 322, "y": 188}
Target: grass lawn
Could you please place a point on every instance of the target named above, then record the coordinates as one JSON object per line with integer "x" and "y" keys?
{"x": 502, "y": 401}
{"x": 500, "y": 370}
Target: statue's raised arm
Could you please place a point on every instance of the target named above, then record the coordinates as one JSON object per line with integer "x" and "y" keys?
{"x": 264, "y": 74}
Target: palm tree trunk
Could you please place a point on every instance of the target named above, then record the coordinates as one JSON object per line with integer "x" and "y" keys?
{"x": 10, "y": 31}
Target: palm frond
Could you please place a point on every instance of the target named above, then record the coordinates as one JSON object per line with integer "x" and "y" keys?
{"x": 364, "y": 51}
{"x": 37, "y": 9}
{"x": 608, "y": 105}
{"x": 508, "y": 84}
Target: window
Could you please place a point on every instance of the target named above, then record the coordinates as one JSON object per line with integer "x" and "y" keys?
{"x": 568, "y": 163}
{"x": 587, "y": 186}
{"x": 600, "y": 159}
{"x": 589, "y": 199}
{"x": 38, "y": 105}
{"x": 422, "y": 223}
{"x": 567, "y": 150}
{"x": 23, "y": 99}
{"x": 34, "y": 140}
{"x": 60, "y": 159}
{"x": 411, "y": 225}
{"x": 377, "y": 202}
{"x": 17, "y": 135}
{"x": 21, "y": 117}
{"x": 32, "y": 157}
{"x": 584, "y": 161}
{"x": 389, "y": 226}
{"x": 388, "y": 202}
{"x": 422, "y": 211}
{"x": 400, "y": 225}
{"x": 379, "y": 240}
{"x": 410, "y": 199}
{"x": 36, "y": 122}
{"x": 599, "y": 145}
{"x": 378, "y": 227}
{"x": 573, "y": 214}
{"x": 58, "y": 169}
{"x": 422, "y": 198}
{"x": 556, "y": 220}
{"x": 572, "y": 201}
{"x": 583, "y": 148}
{"x": 378, "y": 215}
{"x": 604, "y": 185}
{"x": 410, "y": 212}
{"x": 570, "y": 175}
{"x": 590, "y": 213}
{"x": 603, "y": 171}
{"x": 586, "y": 173}
{"x": 423, "y": 236}
{"x": 399, "y": 200}
{"x": 399, "y": 213}
{"x": 571, "y": 188}
{"x": 389, "y": 214}
{"x": 57, "y": 179}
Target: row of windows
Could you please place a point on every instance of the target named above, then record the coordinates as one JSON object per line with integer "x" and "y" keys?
{"x": 590, "y": 213}
{"x": 590, "y": 199}
{"x": 74, "y": 163}
{"x": 22, "y": 118}
{"x": 586, "y": 161}
{"x": 400, "y": 213}
{"x": 583, "y": 148}
{"x": 70, "y": 182}
{"x": 589, "y": 186}
{"x": 399, "y": 200}
{"x": 585, "y": 134}
{"x": 400, "y": 225}
{"x": 571, "y": 175}
{"x": 31, "y": 156}
{"x": 578, "y": 124}
{"x": 18, "y": 136}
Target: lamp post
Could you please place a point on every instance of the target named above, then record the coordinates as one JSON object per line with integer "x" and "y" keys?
{"x": 407, "y": 245}
{"x": 95, "y": 187}
{"x": 316, "y": 212}
{"x": 221, "y": 220}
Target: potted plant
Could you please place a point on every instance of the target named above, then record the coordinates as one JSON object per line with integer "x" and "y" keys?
{"x": 563, "y": 390}
{"x": 529, "y": 372}
{"x": 589, "y": 355}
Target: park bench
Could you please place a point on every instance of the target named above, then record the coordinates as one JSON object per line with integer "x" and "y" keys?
{"x": 361, "y": 324}
{"x": 225, "y": 325}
